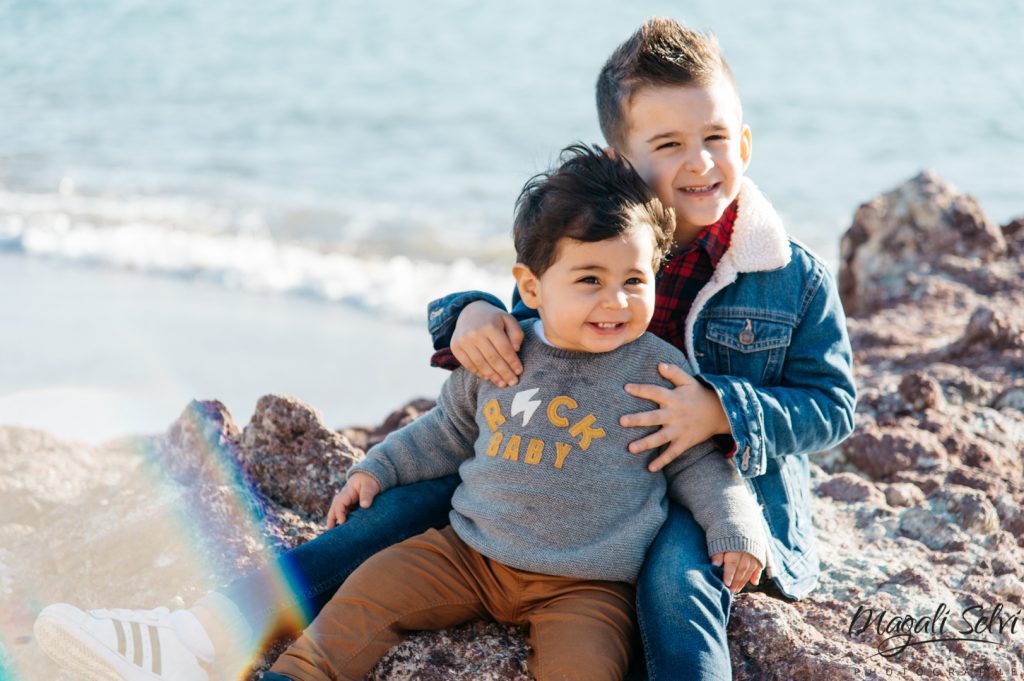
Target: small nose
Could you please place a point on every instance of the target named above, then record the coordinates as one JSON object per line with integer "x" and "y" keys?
{"x": 616, "y": 299}
{"x": 698, "y": 161}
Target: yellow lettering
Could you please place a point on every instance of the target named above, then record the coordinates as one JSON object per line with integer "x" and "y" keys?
{"x": 512, "y": 448}
{"x": 561, "y": 451}
{"x": 534, "y": 451}
{"x": 553, "y": 415}
{"x": 492, "y": 412}
{"x": 494, "y": 444}
{"x": 583, "y": 429}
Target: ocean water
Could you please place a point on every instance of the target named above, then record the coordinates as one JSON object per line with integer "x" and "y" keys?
{"x": 354, "y": 160}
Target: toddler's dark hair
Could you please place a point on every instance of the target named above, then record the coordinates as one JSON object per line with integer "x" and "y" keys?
{"x": 589, "y": 196}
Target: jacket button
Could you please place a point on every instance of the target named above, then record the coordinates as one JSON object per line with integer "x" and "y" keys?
{"x": 747, "y": 334}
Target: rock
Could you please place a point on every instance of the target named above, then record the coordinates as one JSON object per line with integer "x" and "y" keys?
{"x": 850, "y": 487}
{"x": 987, "y": 330}
{"x": 1012, "y": 398}
{"x": 903, "y": 232}
{"x": 1013, "y": 232}
{"x": 881, "y": 451}
{"x": 921, "y": 391}
{"x": 364, "y": 438}
{"x": 293, "y": 457}
{"x": 1009, "y": 585}
{"x": 970, "y": 508}
{"x": 203, "y": 435}
{"x": 903, "y": 494}
{"x": 930, "y": 528}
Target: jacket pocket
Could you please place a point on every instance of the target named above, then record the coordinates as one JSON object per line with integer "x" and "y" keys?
{"x": 748, "y": 347}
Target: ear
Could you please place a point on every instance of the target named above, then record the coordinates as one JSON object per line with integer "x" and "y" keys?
{"x": 528, "y": 283}
{"x": 745, "y": 146}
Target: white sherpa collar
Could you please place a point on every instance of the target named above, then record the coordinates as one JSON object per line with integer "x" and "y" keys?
{"x": 759, "y": 243}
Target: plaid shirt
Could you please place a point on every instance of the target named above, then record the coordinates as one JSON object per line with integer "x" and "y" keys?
{"x": 683, "y": 274}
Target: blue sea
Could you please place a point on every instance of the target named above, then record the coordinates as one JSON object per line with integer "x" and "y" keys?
{"x": 224, "y": 199}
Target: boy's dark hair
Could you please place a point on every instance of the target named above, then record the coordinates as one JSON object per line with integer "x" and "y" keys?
{"x": 589, "y": 196}
{"x": 660, "y": 53}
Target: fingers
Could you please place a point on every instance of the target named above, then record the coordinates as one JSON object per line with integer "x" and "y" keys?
{"x": 343, "y": 501}
{"x": 729, "y": 573}
{"x": 671, "y": 453}
{"x": 654, "y": 417}
{"x": 739, "y": 569}
{"x": 515, "y": 337}
{"x": 646, "y": 391}
{"x": 675, "y": 374}
{"x": 367, "y": 491}
{"x": 489, "y": 352}
{"x": 755, "y": 578}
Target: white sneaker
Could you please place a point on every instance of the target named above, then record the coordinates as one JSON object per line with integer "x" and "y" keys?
{"x": 116, "y": 645}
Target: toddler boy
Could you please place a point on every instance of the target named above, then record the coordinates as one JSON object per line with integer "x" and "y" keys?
{"x": 553, "y": 517}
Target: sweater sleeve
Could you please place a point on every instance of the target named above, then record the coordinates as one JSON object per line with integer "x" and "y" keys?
{"x": 711, "y": 488}
{"x": 432, "y": 446}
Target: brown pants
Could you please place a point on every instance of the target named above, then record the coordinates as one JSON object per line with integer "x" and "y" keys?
{"x": 578, "y": 629}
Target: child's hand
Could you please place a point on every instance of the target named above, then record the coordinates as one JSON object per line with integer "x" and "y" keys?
{"x": 688, "y": 414}
{"x": 360, "y": 489}
{"x": 740, "y": 568}
{"x": 485, "y": 342}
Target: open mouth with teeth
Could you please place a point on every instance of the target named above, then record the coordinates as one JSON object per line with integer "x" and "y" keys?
{"x": 607, "y": 326}
{"x": 703, "y": 189}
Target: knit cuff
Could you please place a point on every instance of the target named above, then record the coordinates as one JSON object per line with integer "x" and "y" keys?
{"x": 376, "y": 469}
{"x": 738, "y": 543}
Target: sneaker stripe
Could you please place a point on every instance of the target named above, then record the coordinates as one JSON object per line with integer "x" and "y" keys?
{"x": 154, "y": 646}
{"x": 121, "y": 644}
{"x": 137, "y": 643}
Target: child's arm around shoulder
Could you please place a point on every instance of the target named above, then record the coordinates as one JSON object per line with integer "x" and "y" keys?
{"x": 430, "y": 447}
{"x": 481, "y": 336}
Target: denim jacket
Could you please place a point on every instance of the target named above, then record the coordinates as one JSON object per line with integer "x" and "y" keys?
{"x": 768, "y": 335}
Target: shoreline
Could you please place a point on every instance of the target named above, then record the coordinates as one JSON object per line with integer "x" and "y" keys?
{"x": 99, "y": 354}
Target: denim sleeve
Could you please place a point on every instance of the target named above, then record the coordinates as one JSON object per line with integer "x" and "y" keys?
{"x": 444, "y": 312}
{"x": 811, "y": 408}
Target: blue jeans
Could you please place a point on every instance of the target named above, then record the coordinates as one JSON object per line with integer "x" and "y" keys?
{"x": 682, "y": 603}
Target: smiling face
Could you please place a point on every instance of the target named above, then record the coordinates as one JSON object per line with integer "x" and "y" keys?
{"x": 597, "y": 295}
{"x": 689, "y": 144}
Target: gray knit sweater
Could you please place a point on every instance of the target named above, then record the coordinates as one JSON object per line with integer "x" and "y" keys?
{"x": 548, "y": 484}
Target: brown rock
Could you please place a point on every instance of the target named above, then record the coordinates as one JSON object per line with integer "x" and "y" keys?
{"x": 921, "y": 391}
{"x": 292, "y": 457}
{"x": 904, "y": 230}
{"x": 881, "y": 451}
{"x": 903, "y": 494}
{"x": 989, "y": 330}
{"x": 202, "y": 436}
{"x": 365, "y": 437}
{"x": 1013, "y": 232}
{"x": 851, "y": 488}
{"x": 970, "y": 508}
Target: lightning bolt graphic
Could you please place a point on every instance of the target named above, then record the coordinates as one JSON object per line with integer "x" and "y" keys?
{"x": 523, "y": 404}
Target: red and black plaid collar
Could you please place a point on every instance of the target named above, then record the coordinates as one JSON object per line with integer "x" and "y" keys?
{"x": 713, "y": 239}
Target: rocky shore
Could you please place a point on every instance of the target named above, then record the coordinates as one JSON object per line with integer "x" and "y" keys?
{"x": 918, "y": 514}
